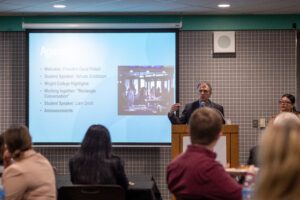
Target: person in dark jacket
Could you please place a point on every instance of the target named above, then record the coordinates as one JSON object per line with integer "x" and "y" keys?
{"x": 205, "y": 91}
{"x": 94, "y": 163}
{"x": 252, "y": 159}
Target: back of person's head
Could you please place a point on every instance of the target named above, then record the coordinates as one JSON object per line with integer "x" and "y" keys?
{"x": 97, "y": 142}
{"x": 205, "y": 124}
{"x": 17, "y": 140}
{"x": 92, "y": 163}
{"x": 279, "y": 176}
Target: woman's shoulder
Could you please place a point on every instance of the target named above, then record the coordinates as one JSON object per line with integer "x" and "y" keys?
{"x": 116, "y": 161}
{"x": 76, "y": 158}
{"x": 115, "y": 158}
{"x": 13, "y": 170}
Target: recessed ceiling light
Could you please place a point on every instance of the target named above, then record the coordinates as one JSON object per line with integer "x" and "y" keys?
{"x": 224, "y": 5}
{"x": 59, "y": 6}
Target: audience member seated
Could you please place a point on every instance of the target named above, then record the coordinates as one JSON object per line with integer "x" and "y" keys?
{"x": 94, "y": 163}
{"x": 196, "y": 174}
{"x": 286, "y": 104}
{"x": 27, "y": 174}
{"x": 279, "y": 174}
{"x": 252, "y": 160}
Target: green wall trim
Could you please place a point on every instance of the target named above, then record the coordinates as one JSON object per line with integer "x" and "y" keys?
{"x": 10, "y": 23}
{"x": 240, "y": 22}
{"x": 190, "y": 22}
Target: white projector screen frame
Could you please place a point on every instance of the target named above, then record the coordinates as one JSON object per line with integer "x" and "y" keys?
{"x": 123, "y": 79}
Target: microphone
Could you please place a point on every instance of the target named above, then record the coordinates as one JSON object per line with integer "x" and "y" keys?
{"x": 202, "y": 104}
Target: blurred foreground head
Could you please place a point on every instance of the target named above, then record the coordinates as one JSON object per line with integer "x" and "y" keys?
{"x": 279, "y": 176}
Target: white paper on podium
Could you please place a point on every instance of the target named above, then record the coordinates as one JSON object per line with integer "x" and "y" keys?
{"x": 220, "y": 148}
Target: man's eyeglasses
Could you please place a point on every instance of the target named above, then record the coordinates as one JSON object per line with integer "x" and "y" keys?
{"x": 204, "y": 91}
{"x": 284, "y": 102}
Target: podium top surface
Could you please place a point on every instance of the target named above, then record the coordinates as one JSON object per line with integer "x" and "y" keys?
{"x": 183, "y": 128}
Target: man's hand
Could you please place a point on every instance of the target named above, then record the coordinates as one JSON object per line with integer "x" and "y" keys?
{"x": 175, "y": 107}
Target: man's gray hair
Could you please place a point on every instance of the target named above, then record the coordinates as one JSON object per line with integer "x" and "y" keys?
{"x": 206, "y": 83}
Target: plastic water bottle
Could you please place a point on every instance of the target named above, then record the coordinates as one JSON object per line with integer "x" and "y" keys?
{"x": 2, "y": 195}
{"x": 247, "y": 193}
{"x": 248, "y": 186}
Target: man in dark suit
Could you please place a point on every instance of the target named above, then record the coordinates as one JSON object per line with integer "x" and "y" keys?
{"x": 205, "y": 92}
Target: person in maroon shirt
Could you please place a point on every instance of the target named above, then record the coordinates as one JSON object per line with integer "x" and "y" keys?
{"x": 196, "y": 174}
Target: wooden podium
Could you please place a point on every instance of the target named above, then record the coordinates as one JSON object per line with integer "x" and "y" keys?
{"x": 231, "y": 133}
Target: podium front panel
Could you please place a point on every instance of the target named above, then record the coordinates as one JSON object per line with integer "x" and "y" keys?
{"x": 230, "y": 132}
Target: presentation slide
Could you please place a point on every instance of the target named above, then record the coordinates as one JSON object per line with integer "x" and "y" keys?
{"x": 122, "y": 80}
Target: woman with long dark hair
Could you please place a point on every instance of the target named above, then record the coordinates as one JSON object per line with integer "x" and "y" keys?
{"x": 94, "y": 163}
{"x": 287, "y": 103}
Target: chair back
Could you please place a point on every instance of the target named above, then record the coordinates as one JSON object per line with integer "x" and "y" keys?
{"x": 91, "y": 192}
